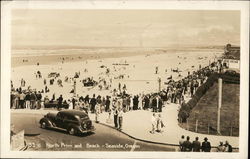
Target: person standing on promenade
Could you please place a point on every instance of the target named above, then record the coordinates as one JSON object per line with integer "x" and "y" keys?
{"x": 39, "y": 98}
{"x": 97, "y": 111}
{"x": 120, "y": 117}
{"x": 22, "y": 97}
{"x": 196, "y": 145}
{"x": 206, "y": 146}
{"x": 159, "y": 103}
{"x": 160, "y": 124}
{"x": 70, "y": 104}
{"x": 154, "y": 104}
{"x": 146, "y": 102}
{"x": 92, "y": 104}
{"x": 153, "y": 122}
{"x": 187, "y": 145}
{"x": 16, "y": 100}
{"x": 107, "y": 104}
{"x": 60, "y": 100}
{"x": 181, "y": 141}
{"x": 33, "y": 100}
{"x": 27, "y": 100}
{"x": 116, "y": 117}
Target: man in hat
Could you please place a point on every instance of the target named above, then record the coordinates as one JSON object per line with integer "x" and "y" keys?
{"x": 206, "y": 146}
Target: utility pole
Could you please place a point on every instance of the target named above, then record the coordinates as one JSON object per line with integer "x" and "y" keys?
{"x": 219, "y": 103}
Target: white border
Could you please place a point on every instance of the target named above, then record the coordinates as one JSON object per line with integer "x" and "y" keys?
{"x": 243, "y": 6}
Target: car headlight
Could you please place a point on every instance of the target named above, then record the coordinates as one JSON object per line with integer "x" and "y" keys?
{"x": 84, "y": 125}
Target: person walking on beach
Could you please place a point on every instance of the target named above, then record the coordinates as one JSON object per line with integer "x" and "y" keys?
{"x": 206, "y": 146}
{"x": 153, "y": 122}
{"x": 156, "y": 70}
{"x": 196, "y": 145}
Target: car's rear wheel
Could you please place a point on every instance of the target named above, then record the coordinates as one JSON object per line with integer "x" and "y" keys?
{"x": 43, "y": 125}
{"x": 72, "y": 131}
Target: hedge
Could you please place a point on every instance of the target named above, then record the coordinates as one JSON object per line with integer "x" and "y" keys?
{"x": 186, "y": 108}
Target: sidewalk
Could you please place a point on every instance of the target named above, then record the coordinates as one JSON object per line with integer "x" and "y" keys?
{"x": 137, "y": 124}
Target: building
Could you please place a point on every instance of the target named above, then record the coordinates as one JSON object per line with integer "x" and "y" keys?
{"x": 231, "y": 58}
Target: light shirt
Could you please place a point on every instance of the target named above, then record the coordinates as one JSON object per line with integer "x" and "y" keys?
{"x": 70, "y": 105}
{"x": 120, "y": 113}
{"x": 153, "y": 120}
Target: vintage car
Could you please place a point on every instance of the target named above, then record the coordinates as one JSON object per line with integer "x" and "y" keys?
{"x": 73, "y": 121}
{"x": 89, "y": 83}
{"x": 53, "y": 75}
{"x": 54, "y": 104}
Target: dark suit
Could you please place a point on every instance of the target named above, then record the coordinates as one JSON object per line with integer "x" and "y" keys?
{"x": 92, "y": 104}
{"x": 196, "y": 146}
{"x": 154, "y": 105}
{"x": 206, "y": 147}
{"x": 160, "y": 105}
{"x": 187, "y": 146}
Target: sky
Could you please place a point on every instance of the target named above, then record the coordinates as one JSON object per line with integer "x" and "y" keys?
{"x": 124, "y": 28}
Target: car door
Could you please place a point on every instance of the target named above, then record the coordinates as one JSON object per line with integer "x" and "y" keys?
{"x": 59, "y": 120}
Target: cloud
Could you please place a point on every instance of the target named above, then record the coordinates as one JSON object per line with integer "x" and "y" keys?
{"x": 147, "y": 28}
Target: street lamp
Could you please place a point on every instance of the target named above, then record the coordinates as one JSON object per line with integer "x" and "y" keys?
{"x": 159, "y": 81}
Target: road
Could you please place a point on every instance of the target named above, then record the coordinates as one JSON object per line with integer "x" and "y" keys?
{"x": 103, "y": 139}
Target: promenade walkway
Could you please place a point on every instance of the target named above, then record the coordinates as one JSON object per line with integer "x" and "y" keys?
{"x": 138, "y": 125}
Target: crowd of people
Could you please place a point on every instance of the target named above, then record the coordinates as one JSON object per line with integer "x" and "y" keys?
{"x": 120, "y": 99}
{"x": 186, "y": 145}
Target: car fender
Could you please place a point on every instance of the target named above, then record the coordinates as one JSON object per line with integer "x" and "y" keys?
{"x": 47, "y": 121}
{"x": 74, "y": 126}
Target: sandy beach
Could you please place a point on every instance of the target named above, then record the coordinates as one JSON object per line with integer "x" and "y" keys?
{"x": 139, "y": 71}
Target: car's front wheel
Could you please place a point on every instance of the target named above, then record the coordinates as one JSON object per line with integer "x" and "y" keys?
{"x": 43, "y": 125}
{"x": 72, "y": 131}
